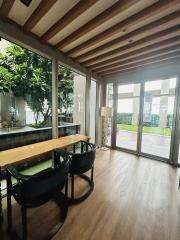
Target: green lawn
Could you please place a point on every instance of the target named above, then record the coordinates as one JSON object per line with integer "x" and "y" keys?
{"x": 155, "y": 130}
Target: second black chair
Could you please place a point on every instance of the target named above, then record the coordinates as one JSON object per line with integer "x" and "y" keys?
{"x": 81, "y": 163}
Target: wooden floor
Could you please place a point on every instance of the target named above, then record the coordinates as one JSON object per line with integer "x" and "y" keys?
{"x": 134, "y": 199}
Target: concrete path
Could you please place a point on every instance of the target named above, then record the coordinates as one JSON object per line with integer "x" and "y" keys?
{"x": 158, "y": 145}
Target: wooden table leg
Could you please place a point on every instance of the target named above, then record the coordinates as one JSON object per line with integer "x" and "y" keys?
{"x": 1, "y": 212}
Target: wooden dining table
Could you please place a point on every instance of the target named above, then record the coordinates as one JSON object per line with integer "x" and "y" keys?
{"x": 26, "y": 153}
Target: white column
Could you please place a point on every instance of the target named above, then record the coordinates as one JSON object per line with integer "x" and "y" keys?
{"x": 100, "y": 102}
{"x": 54, "y": 98}
{"x": 135, "y": 115}
{"x": 87, "y": 110}
{"x": 164, "y": 104}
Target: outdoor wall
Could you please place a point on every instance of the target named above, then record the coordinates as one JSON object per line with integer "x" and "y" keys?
{"x": 8, "y": 101}
{"x": 21, "y": 138}
{"x": 147, "y": 73}
{"x": 135, "y": 116}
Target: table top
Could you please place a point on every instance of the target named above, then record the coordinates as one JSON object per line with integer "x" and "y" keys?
{"x": 28, "y": 152}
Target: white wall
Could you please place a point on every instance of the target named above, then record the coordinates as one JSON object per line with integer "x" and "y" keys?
{"x": 146, "y": 74}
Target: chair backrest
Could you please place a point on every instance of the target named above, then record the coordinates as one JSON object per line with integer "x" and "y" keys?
{"x": 82, "y": 162}
{"x": 42, "y": 186}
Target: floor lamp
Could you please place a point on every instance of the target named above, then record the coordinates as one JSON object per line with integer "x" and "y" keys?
{"x": 106, "y": 114}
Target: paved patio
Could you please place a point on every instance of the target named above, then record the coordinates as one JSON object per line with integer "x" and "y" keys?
{"x": 158, "y": 145}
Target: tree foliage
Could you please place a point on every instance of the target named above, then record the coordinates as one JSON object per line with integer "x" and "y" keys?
{"x": 5, "y": 80}
{"x": 28, "y": 75}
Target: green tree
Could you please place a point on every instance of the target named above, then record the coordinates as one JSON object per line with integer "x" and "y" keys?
{"x": 28, "y": 75}
{"x": 31, "y": 79}
{"x": 5, "y": 80}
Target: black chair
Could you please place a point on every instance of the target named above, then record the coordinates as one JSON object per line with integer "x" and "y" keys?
{"x": 81, "y": 163}
{"x": 33, "y": 191}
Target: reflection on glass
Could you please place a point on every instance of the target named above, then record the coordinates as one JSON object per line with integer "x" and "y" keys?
{"x": 158, "y": 117}
{"x": 127, "y": 116}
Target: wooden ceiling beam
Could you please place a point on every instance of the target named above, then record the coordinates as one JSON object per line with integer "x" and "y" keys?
{"x": 14, "y": 33}
{"x": 38, "y": 14}
{"x": 152, "y": 28}
{"x": 70, "y": 16}
{"x": 6, "y": 8}
{"x": 154, "y": 38}
{"x": 137, "y": 59}
{"x": 143, "y": 63}
{"x": 139, "y": 52}
{"x": 109, "y": 13}
{"x": 146, "y": 67}
{"x": 127, "y": 25}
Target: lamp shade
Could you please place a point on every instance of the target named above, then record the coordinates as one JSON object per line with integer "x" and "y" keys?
{"x": 106, "y": 112}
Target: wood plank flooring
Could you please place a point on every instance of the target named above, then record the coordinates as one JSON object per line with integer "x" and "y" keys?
{"x": 134, "y": 199}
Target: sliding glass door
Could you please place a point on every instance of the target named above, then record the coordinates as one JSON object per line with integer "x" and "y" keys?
{"x": 144, "y": 118}
{"x": 158, "y": 115}
{"x": 127, "y": 118}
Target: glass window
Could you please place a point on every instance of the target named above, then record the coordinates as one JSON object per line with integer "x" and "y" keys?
{"x": 25, "y": 96}
{"x": 71, "y": 102}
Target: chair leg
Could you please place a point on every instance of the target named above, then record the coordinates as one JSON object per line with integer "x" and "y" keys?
{"x": 66, "y": 188}
{"x": 72, "y": 187}
{"x": 74, "y": 148}
{"x": 24, "y": 223}
{"x": 81, "y": 147}
{"x": 92, "y": 174}
{"x": 9, "y": 205}
{"x": 1, "y": 210}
